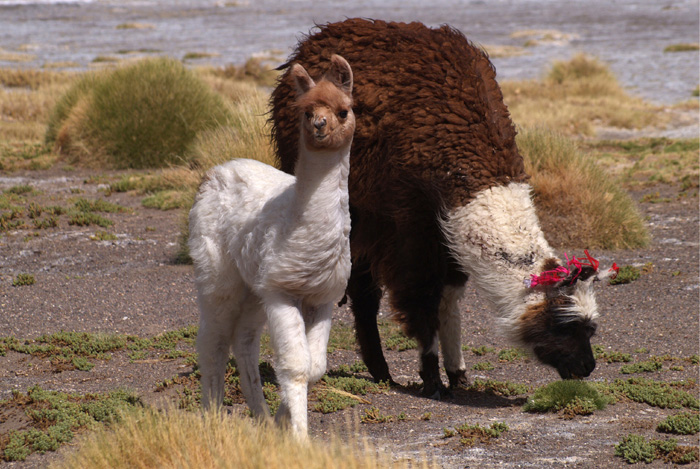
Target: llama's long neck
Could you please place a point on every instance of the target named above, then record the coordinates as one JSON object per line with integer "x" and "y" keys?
{"x": 321, "y": 183}
{"x": 497, "y": 240}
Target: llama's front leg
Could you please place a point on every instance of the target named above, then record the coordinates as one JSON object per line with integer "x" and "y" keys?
{"x": 450, "y": 332}
{"x": 318, "y": 329}
{"x": 292, "y": 360}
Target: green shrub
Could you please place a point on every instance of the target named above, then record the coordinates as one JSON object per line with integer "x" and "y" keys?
{"x": 138, "y": 116}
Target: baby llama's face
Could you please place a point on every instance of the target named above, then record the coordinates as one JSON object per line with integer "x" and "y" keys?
{"x": 327, "y": 119}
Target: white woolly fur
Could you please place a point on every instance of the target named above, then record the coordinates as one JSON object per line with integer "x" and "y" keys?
{"x": 499, "y": 243}
{"x": 270, "y": 247}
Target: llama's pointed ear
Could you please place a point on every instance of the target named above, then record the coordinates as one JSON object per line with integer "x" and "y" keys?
{"x": 340, "y": 73}
{"x": 302, "y": 80}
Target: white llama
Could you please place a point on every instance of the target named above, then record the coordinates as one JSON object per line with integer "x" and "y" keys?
{"x": 270, "y": 246}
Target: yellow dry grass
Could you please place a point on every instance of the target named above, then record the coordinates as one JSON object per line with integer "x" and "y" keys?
{"x": 26, "y": 99}
{"x": 579, "y": 205}
{"x": 576, "y": 97}
{"x": 178, "y": 439}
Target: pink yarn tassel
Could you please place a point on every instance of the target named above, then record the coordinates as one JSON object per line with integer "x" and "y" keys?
{"x": 550, "y": 277}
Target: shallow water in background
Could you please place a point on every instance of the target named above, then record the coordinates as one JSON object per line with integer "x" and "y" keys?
{"x": 630, "y": 35}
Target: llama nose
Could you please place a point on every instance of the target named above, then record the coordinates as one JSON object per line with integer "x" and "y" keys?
{"x": 320, "y": 123}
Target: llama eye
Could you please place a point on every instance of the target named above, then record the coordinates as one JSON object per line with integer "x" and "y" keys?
{"x": 343, "y": 114}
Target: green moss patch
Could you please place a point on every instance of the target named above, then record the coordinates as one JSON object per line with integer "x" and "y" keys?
{"x": 498, "y": 388}
{"x": 22, "y": 280}
{"x": 647, "y": 366}
{"x": 394, "y": 338}
{"x": 470, "y": 434}
{"x": 570, "y": 397}
{"x": 684, "y": 423}
{"x": 635, "y": 448}
{"x": 673, "y": 395}
{"x": 610, "y": 356}
{"x": 77, "y": 350}
{"x": 627, "y": 274}
{"x": 51, "y": 418}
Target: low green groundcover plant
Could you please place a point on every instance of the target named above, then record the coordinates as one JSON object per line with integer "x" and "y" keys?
{"x": 635, "y": 448}
{"x": 571, "y": 397}
{"x": 627, "y": 274}
{"x": 684, "y": 423}
{"x": 471, "y": 434}
{"x": 55, "y": 417}
{"x": 665, "y": 395}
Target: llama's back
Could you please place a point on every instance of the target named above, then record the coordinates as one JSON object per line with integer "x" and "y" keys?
{"x": 430, "y": 115}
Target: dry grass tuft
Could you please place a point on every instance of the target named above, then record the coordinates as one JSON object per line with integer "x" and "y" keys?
{"x": 180, "y": 439}
{"x": 576, "y": 97}
{"x": 578, "y": 205}
{"x": 682, "y": 47}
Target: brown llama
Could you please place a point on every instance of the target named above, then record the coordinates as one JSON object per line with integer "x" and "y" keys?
{"x": 438, "y": 194}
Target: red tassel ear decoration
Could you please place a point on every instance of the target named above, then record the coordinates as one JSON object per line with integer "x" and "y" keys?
{"x": 550, "y": 277}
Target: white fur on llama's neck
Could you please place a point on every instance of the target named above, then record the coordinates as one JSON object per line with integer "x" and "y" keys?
{"x": 498, "y": 241}
{"x": 317, "y": 241}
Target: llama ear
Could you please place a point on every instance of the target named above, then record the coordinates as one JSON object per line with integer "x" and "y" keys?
{"x": 302, "y": 80}
{"x": 340, "y": 73}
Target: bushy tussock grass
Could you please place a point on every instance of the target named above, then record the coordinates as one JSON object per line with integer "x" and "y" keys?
{"x": 141, "y": 115}
{"x": 575, "y": 97}
{"x": 182, "y": 439}
{"x": 578, "y": 204}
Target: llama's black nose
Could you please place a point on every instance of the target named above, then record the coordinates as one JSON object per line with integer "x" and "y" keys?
{"x": 320, "y": 123}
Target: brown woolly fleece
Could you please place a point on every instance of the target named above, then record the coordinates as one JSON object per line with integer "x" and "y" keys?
{"x": 431, "y": 131}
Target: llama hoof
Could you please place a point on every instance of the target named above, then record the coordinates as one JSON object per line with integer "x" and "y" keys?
{"x": 435, "y": 392}
{"x": 457, "y": 379}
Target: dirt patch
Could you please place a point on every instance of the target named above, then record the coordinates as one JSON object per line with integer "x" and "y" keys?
{"x": 130, "y": 285}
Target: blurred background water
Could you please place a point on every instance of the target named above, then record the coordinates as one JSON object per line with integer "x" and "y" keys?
{"x": 629, "y": 35}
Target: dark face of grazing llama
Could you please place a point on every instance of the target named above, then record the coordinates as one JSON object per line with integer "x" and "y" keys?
{"x": 559, "y": 329}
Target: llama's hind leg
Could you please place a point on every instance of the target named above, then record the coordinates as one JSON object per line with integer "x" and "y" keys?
{"x": 216, "y": 326}
{"x": 318, "y": 329}
{"x": 365, "y": 296}
{"x": 292, "y": 360}
{"x": 419, "y": 308}
{"x": 450, "y": 333}
{"x": 246, "y": 349}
